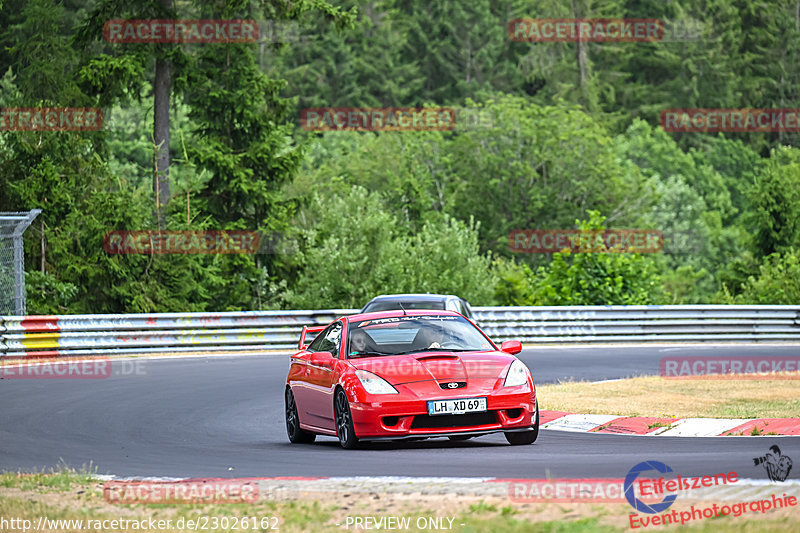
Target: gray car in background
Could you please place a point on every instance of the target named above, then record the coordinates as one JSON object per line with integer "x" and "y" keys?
{"x": 445, "y": 302}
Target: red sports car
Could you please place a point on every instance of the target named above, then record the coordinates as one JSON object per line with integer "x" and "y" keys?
{"x": 408, "y": 374}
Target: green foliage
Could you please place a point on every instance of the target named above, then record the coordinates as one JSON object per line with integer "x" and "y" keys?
{"x": 775, "y": 197}
{"x": 46, "y": 295}
{"x": 356, "y": 249}
{"x": 598, "y": 278}
{"x": 545, "y": 132}
{"x": 734, "y": 161}
{"x": 514, "y": 282}
{"x": 508, "y": 164}
{"x": 444, "y": 257}
{"x": 234, "y": 157}
{"x": 34, "y": 43}
{"x": 534, "y": 167}
{"x": 461, "y": 48}
{"x": 734, "y": 275}
{"x": 690, "y": 204}
{"x": 349, "y": 67}
{"x": 777, "y": 283}
{"x": 685, "y": 284}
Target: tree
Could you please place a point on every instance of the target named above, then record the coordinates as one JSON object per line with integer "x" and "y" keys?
{"x": 706, "y": 66}
{"x": 735, "y": 162}
{"x": 462, "y": 48}
{"x": 118, "y": 76}
{"x": 777, "y": 282}
{"x": 356, "y": 249}
{"x": 775, "y": 197}
{"x": 514, "y": 282}
{"x": 690, "y": 204}
{"x": 365, "y": 65}
{"x": 518, "y": 166}
{"x": 598, "y": 278}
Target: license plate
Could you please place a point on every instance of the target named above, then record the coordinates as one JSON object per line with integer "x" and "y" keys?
{"x": 456, "y": 407}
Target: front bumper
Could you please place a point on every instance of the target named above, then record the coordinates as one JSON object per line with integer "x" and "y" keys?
{"x": 447, "y": 434}
{"x": 405, "y": 415}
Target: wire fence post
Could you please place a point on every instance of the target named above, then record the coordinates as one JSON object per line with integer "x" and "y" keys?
{"x": 12, "y": 260}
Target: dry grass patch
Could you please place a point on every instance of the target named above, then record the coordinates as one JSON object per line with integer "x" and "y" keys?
{"x": 679, "y": 398}
{"x": 328, "y": 512}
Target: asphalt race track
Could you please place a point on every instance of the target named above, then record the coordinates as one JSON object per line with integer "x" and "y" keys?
{"x": 223, "y": 417}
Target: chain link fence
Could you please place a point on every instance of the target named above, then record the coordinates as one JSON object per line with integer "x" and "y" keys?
{"x": 12, "y": 261}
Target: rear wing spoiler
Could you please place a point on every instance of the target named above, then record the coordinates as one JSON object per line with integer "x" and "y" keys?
{"x": 306, "y": 330}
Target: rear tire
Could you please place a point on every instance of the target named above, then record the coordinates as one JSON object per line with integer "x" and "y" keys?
{"x": 344, "y": 422}
{"x": 525, "y": 437}
{"x": 293, "y": 430}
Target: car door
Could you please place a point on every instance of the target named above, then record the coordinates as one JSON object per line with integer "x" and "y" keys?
{"x": 319, "y": 377}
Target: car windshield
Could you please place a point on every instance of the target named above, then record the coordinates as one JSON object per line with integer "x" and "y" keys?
{"x": 411, "y": 334}
{"x": 392, "y": 305}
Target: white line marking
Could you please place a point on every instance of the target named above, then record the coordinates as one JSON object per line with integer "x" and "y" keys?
{"x": 580, "y": 423}
{"x": 700, "y": 427}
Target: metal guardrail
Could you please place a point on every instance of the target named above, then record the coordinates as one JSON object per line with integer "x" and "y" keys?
{"x": 22, "y": 336}
{"x": 642, "y": 323}
{"x": 66, "y": 335}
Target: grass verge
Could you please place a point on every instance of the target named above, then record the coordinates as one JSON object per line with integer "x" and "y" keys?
{"x": 72, "y": 495}
{"x": 678, "y": 398}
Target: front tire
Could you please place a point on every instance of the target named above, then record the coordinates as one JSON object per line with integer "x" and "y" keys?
{"x": 293, "y": 430}
{"x": 525, "y": 437}
{"x": 344, "y": 422}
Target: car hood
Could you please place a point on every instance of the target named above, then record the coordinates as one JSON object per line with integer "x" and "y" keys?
{"x": 448, "y": 366}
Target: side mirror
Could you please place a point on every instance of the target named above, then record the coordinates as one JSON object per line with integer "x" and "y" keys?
{"x": 321, "y": 359}
{"x": 511, "y": 347}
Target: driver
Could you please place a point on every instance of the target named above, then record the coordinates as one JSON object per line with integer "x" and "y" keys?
{"x": 358, "y": 341}
{"x": 433, "y": 337}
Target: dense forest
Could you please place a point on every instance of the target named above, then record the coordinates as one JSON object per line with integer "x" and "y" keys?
{"x": 547, "y": 135}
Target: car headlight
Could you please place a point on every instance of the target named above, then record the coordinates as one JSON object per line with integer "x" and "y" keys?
{"x": 517, "y": 374}
{"x": 374, "y": 384}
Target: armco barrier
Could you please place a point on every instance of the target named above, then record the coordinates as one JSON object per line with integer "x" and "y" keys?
{"x": 265, "y": 330}
{"x": 65, "y": 335}
{"x": 642, "y": 323}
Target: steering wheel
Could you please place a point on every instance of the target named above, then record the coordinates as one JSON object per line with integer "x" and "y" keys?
{"x": 450, "y": 344}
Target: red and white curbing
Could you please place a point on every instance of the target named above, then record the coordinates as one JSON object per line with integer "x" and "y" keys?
{"x": 668, "y": 427}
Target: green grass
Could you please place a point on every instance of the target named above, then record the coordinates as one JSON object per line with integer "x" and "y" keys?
{"x": 507, "y": 524}
{"x": 482, "y": 507}
{"x": 61, "y": 478}
{"x": 51, "y": 500}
